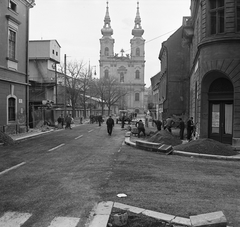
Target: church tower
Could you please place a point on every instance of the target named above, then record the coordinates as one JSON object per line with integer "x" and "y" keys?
{"x": 128, "y": 70}
{"x": 137, "y": 42}
{"x": 107, "y": 42}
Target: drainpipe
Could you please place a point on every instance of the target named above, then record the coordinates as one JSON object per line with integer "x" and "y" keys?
{"x": 27, "y": 66}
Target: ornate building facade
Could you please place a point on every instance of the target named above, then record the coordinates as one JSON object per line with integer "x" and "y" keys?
{"x": 128, "y": 70}
{"x": 213, "y": 36}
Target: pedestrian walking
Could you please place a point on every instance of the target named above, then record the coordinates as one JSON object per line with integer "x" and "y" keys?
{"x": 59, "y": 120}
{"x": 181, "y": 127}
{"x": 123, "y": 121}
{"x": 69, "y": 121}
{"x": 158, "y": 124}
{"x": 100, "y": 120}
{"x": 140, "y": 127}
{"x": 110, "y": 124}
{"x": 190, "y": 126}
{"x": 62, "y": 120}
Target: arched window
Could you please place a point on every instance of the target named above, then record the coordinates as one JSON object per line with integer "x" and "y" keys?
{"x": 106, "y": 74}
{"x": 137, "y": 97}
{"x": 137, "y": 75}
{"x": 11, "y": 109}
{"x": 121, "y": 77}
{"x": 106, "y": 51}
{"x": 137, "y": 52}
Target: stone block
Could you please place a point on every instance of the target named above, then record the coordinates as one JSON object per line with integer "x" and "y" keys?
{"x": 165, "y": 148}
{"x": 214, "y": 219}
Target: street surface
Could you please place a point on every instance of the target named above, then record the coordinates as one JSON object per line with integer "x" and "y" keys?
{"x": 60, "y": 177}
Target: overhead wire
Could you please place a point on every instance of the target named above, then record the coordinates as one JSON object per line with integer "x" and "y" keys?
{"x": 150, "y": 40}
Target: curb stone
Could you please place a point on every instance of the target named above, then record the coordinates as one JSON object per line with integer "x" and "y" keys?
{"x": 183, "y": 153}
{"x": 103, "y": 210}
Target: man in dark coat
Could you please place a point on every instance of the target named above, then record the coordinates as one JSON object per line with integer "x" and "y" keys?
{"x": 110, "y": 124}
{"x": 141, "y": 128}
{"x": 190, "y": 128}
{"x": 181, "y": 127}
{"x": 100, "y": 120}
{"x": 158, "y": 124}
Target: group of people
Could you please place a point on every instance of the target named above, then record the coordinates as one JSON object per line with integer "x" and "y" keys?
{"x": 68, "y": 120}
{"x": 169, "y": 124}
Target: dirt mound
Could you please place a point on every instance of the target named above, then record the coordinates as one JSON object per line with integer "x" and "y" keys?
{"x": 164, "y": 137}
{"x": 206, "y": 146}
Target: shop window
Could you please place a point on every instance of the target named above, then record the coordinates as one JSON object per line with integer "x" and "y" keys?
{"x": 11, "y": 109}
{"x": 217, "y": 21}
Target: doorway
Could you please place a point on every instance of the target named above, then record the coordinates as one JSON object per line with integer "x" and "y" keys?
{"x": 221, "y": 121}
{"x": 220, "y": 97}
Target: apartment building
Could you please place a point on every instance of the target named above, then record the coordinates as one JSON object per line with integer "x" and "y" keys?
{"x": 14, "y": 84}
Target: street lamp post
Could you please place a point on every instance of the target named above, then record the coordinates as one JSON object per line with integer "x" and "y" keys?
{"x": 65, "y": 71}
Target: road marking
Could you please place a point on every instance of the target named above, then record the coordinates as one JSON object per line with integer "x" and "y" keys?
{"x": 64, "y": 222}
{"x": 14, "y": 167}
{"x": 78, "y": 137}
{"x": 54, "y": 148}
{"x": 90, "y": 130}
{"x": 14, "y": 219}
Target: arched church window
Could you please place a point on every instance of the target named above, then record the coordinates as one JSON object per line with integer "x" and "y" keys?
{"x": 138, "y": 52}
{"x": 11, "y": 109}
{"x": 137, "y": 97}
{"x": 106, "y": 74}
{"x": 106, "y": 52}
{"x": 121, "y": 77}
{"x": 137, "y": 75}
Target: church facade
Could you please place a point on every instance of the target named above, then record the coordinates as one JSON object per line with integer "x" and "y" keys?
{"x": 127, "y": 70}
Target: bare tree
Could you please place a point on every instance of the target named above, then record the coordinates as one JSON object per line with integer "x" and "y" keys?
{"x": 77, "y": 83}
{"x": 110, "y": 92}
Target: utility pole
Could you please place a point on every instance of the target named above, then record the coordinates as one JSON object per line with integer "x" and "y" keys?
{"x": 65, "y": 72}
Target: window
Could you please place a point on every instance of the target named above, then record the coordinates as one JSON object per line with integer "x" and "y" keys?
{"x": 11, "y": 109}
{"x": 238, "y": 15}
{"x": 53, "y": 51}
{"x": 137, "y": 97}
{"x": 12, "y": 44}
{"x": 216, "y": 16}
{"x": 106, "y": 74}
{"x": 121, "y": 77}
{"x": 106, "y": 52}
{"x": 137, "y": 75}
{"x": 13, "y": 6}
{"x": 137, "y": 52}
{"x": 56, "y": 53}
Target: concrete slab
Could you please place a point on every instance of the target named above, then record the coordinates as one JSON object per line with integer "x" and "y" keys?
{"x": 133, "y": 209}
{"x": 159, "y": 216}
{"x": 104, "y": 208}
{"x": 214, "y": 219}
{"x": 181, "y": 221}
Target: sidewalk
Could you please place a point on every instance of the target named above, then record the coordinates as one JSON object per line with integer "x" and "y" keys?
{"x": 40, "y": 131}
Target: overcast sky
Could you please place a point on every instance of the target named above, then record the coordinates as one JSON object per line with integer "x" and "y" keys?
{"x": 77, "y": 24}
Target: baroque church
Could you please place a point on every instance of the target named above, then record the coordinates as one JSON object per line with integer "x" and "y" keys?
{"x": 128, "y": 70}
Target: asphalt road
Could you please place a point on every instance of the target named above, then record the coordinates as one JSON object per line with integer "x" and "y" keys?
{"x": 65, "y": 173}
{"x": 61, "y": 175}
